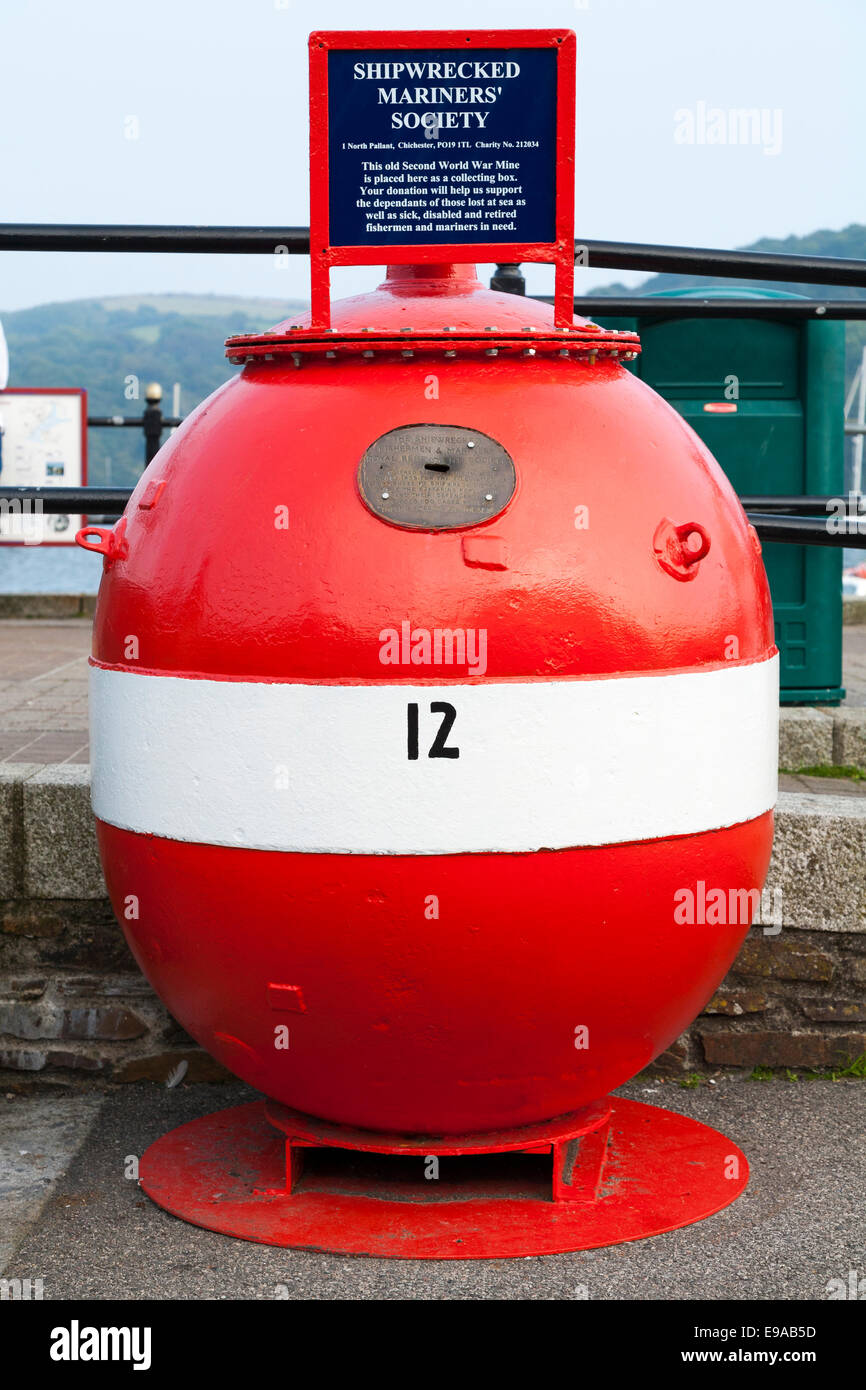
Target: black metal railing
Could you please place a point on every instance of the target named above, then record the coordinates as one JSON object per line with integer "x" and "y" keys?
{"x": 61, "y": 501}
{"x": 772, "y": 517}
{"x": 606, "y": 255}
{"x": 151, "y": 422}
{"x": 831, "y": 521}
{"x": 647, "y": 306}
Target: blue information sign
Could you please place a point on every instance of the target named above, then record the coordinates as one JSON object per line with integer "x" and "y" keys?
{"x": 432, "y": 146}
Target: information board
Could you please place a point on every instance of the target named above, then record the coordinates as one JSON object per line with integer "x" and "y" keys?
{"x": 43, "y": 444}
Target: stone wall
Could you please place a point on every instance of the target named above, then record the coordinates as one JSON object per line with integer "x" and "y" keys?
{"x": 74, "y": 1007}
{"x": 73, "y": 1003}
{"x": 810, "y": 736}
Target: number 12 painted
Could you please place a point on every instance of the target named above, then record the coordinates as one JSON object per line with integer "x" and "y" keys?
{"x": 439, "y": 747}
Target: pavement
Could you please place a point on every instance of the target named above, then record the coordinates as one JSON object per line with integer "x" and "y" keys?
{"x": 37, "y": 1143}
{"x": 89, "y": 1232}
{"x": 43, "y": 690}
{"x": 824, "y": 786}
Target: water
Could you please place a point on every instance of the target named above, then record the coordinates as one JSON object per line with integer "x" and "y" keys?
{"x": 48, "y": 569}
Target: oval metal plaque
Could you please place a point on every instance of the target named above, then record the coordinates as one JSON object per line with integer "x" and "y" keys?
{"x": 436, "y": 477}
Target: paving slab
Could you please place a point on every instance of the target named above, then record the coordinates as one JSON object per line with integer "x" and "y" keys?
{"x": 821, "y": 786}
{"x": 43, "y": 690}
{"x": 805, "y": 737}
{"x": 38, "y": 1140}
{"x": 799, "y": 1224}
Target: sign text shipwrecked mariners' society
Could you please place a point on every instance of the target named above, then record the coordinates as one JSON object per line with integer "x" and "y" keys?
{"x": 430, "y": 146}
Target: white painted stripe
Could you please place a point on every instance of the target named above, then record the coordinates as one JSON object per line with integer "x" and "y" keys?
{"x": 324, "y": 768}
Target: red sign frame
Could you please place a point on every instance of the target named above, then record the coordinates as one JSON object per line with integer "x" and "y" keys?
{"x": 56, "y": 391}
{"x": 559, "y": 252}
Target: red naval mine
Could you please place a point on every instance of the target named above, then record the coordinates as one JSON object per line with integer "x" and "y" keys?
{"x": 433, "y": 657}
{"x": 434, "y": 702}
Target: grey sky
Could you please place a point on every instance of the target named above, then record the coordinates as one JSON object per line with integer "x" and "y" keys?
{"x": 219, "y": 90}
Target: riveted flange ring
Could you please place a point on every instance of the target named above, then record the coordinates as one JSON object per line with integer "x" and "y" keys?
{"x": 587, "y": 343}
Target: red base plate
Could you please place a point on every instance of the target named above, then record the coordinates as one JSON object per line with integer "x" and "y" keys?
{"x": 617, "y": 1175}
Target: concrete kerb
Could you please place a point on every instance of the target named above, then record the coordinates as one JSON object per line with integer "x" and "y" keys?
{"x": 849, "y": 738}
{"x": 47, "y": 606}
{"x": 61, "y": 859}
{"x": 819, "y": 861}
{"x": 805, "y": 737}
{"x": 13, "y": 779}
{"x": 810, "y": 736}
{"x": 47, "y": 835}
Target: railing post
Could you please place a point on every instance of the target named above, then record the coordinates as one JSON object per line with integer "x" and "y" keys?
{"x": 151, "y": 420}
{"x": 508, "y": 279}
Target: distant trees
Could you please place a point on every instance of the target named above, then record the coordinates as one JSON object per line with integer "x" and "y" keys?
{"x": 89, "y": 343}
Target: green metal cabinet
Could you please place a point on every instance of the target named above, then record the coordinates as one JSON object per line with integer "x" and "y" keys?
{"x": 786, "y": 436}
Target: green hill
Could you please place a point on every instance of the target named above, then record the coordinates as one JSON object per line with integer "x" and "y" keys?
{"x": 98, "y": 343}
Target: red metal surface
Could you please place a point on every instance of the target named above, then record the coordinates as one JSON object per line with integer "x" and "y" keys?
{"x": 580, "y": 1182}
{"x": 305, "y": 344}
{"x": 560, "y": 252}
{"x": 432, "y": 310}
{"x": 676, "y": 550}
{"x": 309, "y": 1132}
{"x": 109, "y": 541}
{"x": 466, "y": 1023}
{"x": 207, "y": 597}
